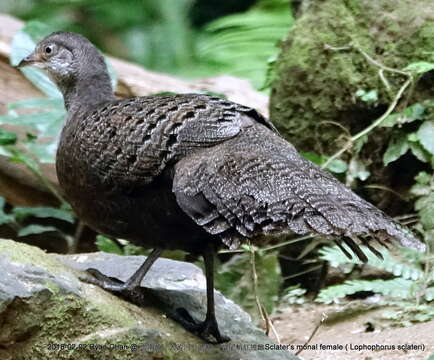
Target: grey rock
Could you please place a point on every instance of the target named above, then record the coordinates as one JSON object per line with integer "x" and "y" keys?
{"x": 46, "y": 312}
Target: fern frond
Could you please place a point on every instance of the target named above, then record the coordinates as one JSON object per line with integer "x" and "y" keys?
{"x": 241, "y": 44}
{"x": 403, "y": 267}
{"x": 395, "y": 288}
{"x": 429, "y": 293}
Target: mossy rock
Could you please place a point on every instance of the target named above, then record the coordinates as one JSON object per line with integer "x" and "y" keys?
{"x": 46, "y": 312}
{"x": 314, "y": 101}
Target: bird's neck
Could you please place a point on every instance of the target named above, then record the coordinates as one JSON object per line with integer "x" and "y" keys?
{"x": 87, "y": 91}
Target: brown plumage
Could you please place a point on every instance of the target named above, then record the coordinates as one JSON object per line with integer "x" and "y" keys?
{"x": 190, "y": 172}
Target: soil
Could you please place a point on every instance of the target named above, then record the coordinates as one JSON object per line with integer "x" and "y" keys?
{"x": 349, "y": 333}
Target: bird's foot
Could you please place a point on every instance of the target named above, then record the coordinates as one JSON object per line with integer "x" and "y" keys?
{"x": 105, "y": 282}
{"x": 207, "y": 330}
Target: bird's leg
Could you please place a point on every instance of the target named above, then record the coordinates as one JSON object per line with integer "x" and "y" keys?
{"x": 131, "y": 284}
{"x": 208, "y": 329}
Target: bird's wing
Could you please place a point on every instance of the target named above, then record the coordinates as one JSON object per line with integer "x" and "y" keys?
{"x": 257, "y": 183}
{"x": 137, "y": 138}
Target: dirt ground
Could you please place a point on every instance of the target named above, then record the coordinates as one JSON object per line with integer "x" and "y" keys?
{"x": 350, "y": 333}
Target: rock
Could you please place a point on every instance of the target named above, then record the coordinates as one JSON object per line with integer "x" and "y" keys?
{"x": 314, "y": 100}
{"x": 46, "y": 312}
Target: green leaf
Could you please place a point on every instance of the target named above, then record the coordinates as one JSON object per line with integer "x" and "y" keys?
{"x": 48, "y": 123}
{"x": 367, "y": 96}
{"x": 359, "y": 143}
{"x": 44, "y": 151}
{"x": 22, "y": 212}
{"x": 37, "y": 103}
{"x": 315, "y": 158}
{"x": 429, "y": 295}
{"x": 357, "y": 170}
{"x": 408, "y": 115}
{"x": 406, "y": 268}
{"x": 34, "y": 229}
{"x": 107, "y": 245}
{"x": 19, "y": 156}
{"x": 294, "y": 295}
{"x": 336, "y": 166}
{"x": 419, "y": 152}
{"x": 412, "y": 137}
{"x": 397, "y": 147}
{"x": 423, "y": 178}
{"x": 426, "y": 135}
{"x": 42, "y": 82}
{"x": 397, "y": 288}
{"x": 7, "y": 137}
{"x": 425, "y": 207}
{"x": 241, "y": 44}
{"x": 419, "y": 67}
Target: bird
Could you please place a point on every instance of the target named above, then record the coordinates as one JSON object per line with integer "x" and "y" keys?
{"x": 193, "y": 172}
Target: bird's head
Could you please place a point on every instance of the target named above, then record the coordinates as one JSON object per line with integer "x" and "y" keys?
{"x": 72, "y": 62}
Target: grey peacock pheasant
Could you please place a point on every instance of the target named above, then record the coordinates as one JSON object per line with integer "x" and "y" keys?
{"x": 191, "y": 172}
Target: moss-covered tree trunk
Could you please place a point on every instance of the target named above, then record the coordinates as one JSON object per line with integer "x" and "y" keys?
{"x": 325, "y": 88}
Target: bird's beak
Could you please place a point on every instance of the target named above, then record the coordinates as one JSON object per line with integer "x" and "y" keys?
{"x": 32, "y": 59}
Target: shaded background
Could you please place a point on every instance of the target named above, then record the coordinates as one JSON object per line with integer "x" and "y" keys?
{"x": 189, "y": 38}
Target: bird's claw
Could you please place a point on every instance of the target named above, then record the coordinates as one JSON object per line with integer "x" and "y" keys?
{"x": 207, "y": 330}
{"x": 96, "y": 277}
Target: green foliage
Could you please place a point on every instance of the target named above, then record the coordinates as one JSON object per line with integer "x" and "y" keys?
{"x": 159, "y": 34}
{"x": 7, "y": 137}
{"x": 43, "y": 117}
{"x": 423, "y": 190}
{"x": 406, "y": 266}
{"x": 108, "y": 245}
{"x": 294, "y": 295}
{"x": 408, "y": 115}
{"x": 243, "y": 44}
{"x": 337, "y": 166}
{"x": 18, "y": 216}
{"x": 23, "y": 44}
{"x": 411, "y": 290}
{"x": 397, "y": 147}
{"x": 34, "y": 229}
{"x": 234, "y": 280}
{"x": 396, "y": 288}
{"x": 120, "y": 247}
{"x": 426, "y": 136}
{"x": 408, "y": 313}
{"x": 368, "y": 96}
{"x": 20, "y": 213}
{"x": 419, "y": 67}
{"x": 419, "y": 142}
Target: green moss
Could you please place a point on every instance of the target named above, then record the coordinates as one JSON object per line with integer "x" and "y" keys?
{"x": 54, "y": 316}
{"x": 315, "y": 85}
{"x": 24, "y": 254}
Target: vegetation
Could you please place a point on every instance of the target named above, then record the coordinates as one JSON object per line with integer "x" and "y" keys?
{"x": 160, "y": 35}
{"x": 410, "y": 287}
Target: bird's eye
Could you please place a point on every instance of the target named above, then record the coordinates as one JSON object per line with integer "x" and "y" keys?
{"x": 48, "y": 49}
